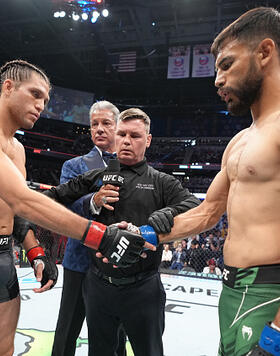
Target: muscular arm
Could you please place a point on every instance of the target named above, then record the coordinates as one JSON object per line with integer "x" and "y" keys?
{"x": 33, "y": 205}
{"x": 206, "y": 215}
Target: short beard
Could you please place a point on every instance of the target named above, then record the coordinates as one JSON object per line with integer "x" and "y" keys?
{"x": 248, "y": 93}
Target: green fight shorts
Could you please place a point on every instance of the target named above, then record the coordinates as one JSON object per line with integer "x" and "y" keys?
{"x": 250, "y": 298}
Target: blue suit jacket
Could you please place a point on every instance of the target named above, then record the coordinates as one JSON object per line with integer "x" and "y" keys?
{"x": 76, "y": 256}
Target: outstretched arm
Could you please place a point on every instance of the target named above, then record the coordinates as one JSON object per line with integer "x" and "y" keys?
{"x": 206, "y": 215}
{"x": 45, "y": 212}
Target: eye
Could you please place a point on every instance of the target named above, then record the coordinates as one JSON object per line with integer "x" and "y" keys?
{"x": 226, "y": 65}
{"x": 36, "y": 94}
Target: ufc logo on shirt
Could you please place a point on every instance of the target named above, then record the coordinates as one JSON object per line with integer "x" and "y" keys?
{"x": 4, "y": 241}
{"x": 121, "y": 247}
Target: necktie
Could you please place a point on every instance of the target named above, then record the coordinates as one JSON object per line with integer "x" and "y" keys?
{"x": 107, "y": 155}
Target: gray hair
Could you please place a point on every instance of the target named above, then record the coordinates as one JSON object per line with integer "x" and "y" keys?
{"x": 135, "y": 113}
{"x": 104, "y": 105}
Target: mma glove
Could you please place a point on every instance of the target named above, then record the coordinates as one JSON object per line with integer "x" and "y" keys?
{"x": 121, "y": 247}
{"x": 269, "y": 344}
{"x": 36, "y": 255}
{"x": 162, "y": 220}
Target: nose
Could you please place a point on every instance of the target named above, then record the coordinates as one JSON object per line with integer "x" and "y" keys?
{"x": 126, "y": 140}
{"x": 40, "y": 105}
{"x": 100, "y": 128}
{"x": 220, "y": 79}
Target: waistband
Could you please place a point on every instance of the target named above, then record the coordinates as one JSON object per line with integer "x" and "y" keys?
{"x": 124, "y": 280}
{"x": 5, "y": 242}
{"x": 265, "y": 274}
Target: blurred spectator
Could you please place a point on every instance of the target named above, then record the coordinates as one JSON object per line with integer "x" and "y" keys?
{"x": 196, "y": 257}
{"x": 178, "y": 258}
{"x": 191, "y": 239}
{"x": 212, "y": 268}
{"x": 166, "y": 256}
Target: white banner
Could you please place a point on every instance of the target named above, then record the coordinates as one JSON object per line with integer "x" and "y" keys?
{"x": 179, "y": 62}
{"x": 203, "y": 62}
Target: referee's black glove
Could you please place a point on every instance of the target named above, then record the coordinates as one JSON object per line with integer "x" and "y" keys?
{"x": 162, "y": 220}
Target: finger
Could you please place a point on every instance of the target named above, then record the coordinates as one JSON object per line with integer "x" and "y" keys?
{"x": 111, "y": 187}
{"x": 39, "y": 272}
{"x": 166, "y": 224}
{"x": 143, "y": 255}
{"x": 108, "y": 207}
{"x": 105, "y": 260}
{"x": 150, "y": 246}
{"x": 122, "y": 225}
{"x": 98, "y": 255}
{"x": 170, "y": 219}
{"x": 46, "y": 287}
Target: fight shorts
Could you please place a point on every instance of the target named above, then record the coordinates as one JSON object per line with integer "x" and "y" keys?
{"x": 9, "y": 288}
{"x": 249, "y": 299}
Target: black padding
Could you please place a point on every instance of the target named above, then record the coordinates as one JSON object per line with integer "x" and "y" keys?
{"x": 21, "y": 228}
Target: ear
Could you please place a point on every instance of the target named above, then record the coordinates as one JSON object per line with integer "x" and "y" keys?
{"x": 7, "y": 86}
{"x": 149, "y": 139}
{"x": 265, "y": 51}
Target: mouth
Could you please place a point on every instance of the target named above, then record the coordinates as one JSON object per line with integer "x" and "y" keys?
{"x": 125, "y": 151}
{"x": 225, "y": 95}
{"x": 35, "y": 116}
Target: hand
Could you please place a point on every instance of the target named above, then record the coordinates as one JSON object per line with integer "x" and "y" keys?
{"x": 45, "y": 270}
{"x": 107, "y": 194}
{"x": 162, "y": 220}
{"x": 121, "y": 247}
{"x": 132, "y": 228}
{"x": 269, "y": 344}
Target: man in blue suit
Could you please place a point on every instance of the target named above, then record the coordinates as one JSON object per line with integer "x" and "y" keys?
{"x": 103, "y": 117}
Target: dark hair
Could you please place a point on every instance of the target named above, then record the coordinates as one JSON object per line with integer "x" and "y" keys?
{"x": 251, "y": 28}
{"x": 19, "y": 71}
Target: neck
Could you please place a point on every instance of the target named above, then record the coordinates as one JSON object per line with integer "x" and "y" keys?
{"x": 8, "y": 126}
{"x": 268, "y": 103}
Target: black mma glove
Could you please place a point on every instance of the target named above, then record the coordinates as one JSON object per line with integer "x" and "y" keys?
{"x": 35, "y": 256}
{"x": 121, "y": 247}
{"x": 162, "y": 220}
{"x": 258, "y": 351}
{"x": 21, "y": 228}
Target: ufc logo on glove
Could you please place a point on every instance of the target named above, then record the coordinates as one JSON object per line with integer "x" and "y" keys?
{"x": 121, "y": 247}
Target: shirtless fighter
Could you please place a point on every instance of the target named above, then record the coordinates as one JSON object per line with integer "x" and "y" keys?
{"x": 247, "y": 187}
{"x": 24, "y": 92}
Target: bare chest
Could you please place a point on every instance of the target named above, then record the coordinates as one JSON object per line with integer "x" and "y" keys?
{"x": 254, "y": 157}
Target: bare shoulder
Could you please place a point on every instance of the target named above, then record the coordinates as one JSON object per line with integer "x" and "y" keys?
{"x": 17, "y": 155}
{"x": 231, "y": 143}
{"x": 17, "y": 145}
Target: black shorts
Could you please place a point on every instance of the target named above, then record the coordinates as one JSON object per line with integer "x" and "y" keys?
{"x": 9, "y": 288}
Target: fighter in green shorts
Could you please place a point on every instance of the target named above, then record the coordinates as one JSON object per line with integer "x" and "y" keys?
{"x": 249, "y": 296}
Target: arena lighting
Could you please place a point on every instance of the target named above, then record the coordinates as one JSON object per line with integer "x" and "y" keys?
{"x": 200, "y": 196}
{"x": 178, "y": 173}
{"x": 93, "y": 19}
{"x": 20, "y": 132}
{"x": 192, "y": 166}
{"x": 84, "y": 16}
{"x": 105, "y": 13}
{"x": 82, "y": 8}
{"x": 75, "y": 16}
{"x": 95, "y": 14}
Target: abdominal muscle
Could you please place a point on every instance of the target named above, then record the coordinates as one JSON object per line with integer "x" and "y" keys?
{"x": 6, "y": 219}
{"x": 254, "y": 225}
